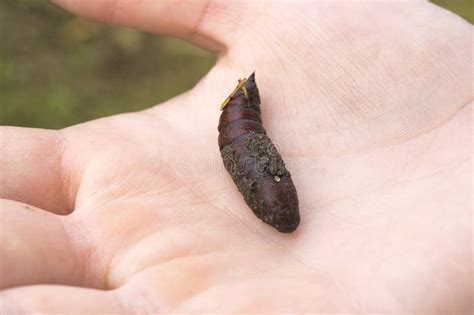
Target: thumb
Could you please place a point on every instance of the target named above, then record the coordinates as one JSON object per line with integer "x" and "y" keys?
{"x": 206, "y": 23}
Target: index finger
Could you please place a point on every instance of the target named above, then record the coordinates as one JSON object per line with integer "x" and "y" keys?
{"x": 32, "y": 169}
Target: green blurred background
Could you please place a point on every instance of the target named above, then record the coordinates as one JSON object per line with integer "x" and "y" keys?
{"x": 57, "y": 69}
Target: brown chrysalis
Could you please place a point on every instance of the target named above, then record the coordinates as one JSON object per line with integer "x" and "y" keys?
{"x": 253, "y": 161}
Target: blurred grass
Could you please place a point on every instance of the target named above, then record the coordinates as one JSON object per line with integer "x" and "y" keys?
{"x": 57, "y": 69}
{"x": 463, "y": 8}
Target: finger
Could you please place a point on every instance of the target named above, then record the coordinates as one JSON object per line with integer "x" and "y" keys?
{"x": 34, "y": 247}
{"x": 55, "y": 299}
{"x": 32, "y": 168}
{"x": 207, "y": 23}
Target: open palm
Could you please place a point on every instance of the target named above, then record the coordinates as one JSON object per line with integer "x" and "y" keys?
{"x": 370, "y": 106}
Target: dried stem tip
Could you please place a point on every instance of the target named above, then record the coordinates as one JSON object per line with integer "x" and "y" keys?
{"x": 240, "y": 85}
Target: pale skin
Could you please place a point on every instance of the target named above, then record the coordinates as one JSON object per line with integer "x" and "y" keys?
{"x": 370, "y": 104}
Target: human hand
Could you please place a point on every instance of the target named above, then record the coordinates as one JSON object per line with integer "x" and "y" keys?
{"x": 370, "y": 106}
